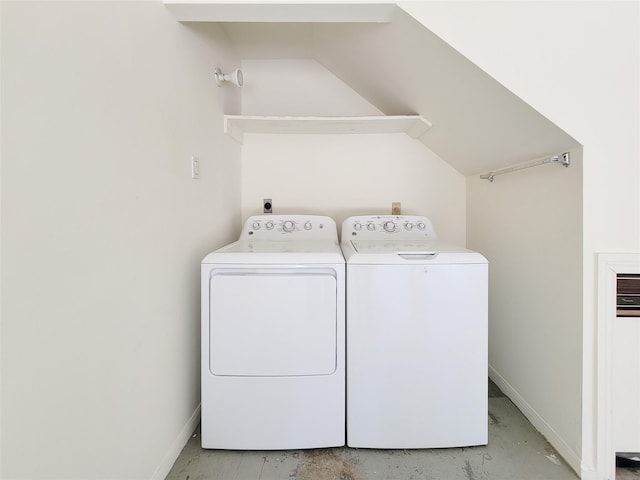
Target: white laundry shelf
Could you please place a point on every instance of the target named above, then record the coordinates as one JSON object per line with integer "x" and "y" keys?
{"x": 237, "y": 125}
{"x": 251, "y": 11}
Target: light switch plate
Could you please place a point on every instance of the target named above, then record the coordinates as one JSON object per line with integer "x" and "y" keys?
{"x": 195, "y": 168}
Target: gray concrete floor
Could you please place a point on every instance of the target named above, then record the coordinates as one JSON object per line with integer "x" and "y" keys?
{"x": 516, "y": 451}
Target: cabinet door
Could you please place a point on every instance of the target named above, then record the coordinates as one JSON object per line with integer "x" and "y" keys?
{"x": 280, "y": 323}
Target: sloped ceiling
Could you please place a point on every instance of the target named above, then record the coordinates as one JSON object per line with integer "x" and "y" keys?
{"x": 403, "y": 68}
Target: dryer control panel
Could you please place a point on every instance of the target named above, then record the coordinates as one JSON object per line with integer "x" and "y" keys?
{"x": 290, "y": 227}
{"x": 382, "y": 226}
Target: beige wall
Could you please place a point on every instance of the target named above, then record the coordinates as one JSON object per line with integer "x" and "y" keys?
{"x": 344, "y": 175}
{"x": 529, "y": 225}
{"x": 103, "y": 103}
{"x": 338, "y": 175}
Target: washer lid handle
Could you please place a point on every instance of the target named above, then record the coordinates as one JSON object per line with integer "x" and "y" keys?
{"x": 417, "y": 255}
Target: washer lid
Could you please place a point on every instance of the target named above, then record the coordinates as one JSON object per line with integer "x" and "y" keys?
{"x": 409, "y": 251}
{"x": 386, "y": 246}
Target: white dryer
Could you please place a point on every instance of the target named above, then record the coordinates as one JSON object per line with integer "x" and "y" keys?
{"x": 273, "y": 337}
{"x": 416, "y": 336}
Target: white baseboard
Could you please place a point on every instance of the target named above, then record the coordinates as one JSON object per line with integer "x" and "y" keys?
{"x": 176, "y": 447}
{"x": 567, "y": 453}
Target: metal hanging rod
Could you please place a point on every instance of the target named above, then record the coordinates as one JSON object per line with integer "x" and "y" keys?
{"x": 562, "y": 159}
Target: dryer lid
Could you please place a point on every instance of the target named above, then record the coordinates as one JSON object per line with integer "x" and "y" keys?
{"x": 274, "y": 246}
{"x": 276, "y": 252}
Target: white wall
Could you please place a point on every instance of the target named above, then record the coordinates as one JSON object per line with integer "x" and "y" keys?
{"x": 103, "y": 230}
{"x": 338, "y": 175}
{"x": 578, "y": 64}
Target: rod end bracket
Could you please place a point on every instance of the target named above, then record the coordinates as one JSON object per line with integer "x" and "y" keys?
{"x": 563, "y": 159}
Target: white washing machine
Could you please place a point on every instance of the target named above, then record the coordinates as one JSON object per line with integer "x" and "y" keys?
{"x": 416, "y": 336}
{"x": 273, "y": 337}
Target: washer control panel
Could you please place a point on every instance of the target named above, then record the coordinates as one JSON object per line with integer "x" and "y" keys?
{"x": 381, "y": 226}
{"x": 294, "y": 227}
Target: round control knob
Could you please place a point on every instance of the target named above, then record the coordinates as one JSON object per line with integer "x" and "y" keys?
{"x": 357, "y": 226}
{"x": 421, "y": 226}
{"x": 288, "y": 226}
{"x": 390, "y": 226}
{"x": 307, "y": 226}
{"x": 256, "y": 226}
{"x": 269, "y": 225}
{"x": 371, "y": 227}
{"x": 408, "y": 226}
